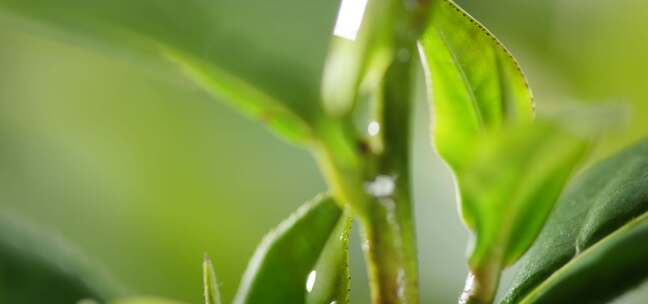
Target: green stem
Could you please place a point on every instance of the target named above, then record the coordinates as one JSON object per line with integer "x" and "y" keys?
{"x": 390, "y": 251}
{"x": 386, "y": 218}
{"x": 389, "y": 230}
{"x": 481, "y": 285}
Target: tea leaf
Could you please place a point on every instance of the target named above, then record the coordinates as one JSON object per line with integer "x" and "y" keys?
{"x": 507, "y": 189}
{"x": 476, "y": 84}
{"x": 210, "y": 284}
{"x": 509, "y": 169}
{"x": 190, "y": 34}
{"x": 359, "y": 56}
{"x": 38, "y": 268}
{"x": 595, "y": 243}
{"x": 331, "y": 274}
{"x": 244, "y": 96}
{"x": 282, "y": 265}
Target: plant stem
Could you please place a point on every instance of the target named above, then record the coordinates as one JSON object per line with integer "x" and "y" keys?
{"x": 389, "y": 229}
{"x": 481, "y": 286}
{"x": 386, "y": 218}
{"x": 390, "y": 251}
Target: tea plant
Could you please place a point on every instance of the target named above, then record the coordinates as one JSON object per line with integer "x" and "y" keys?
{"x": 509, "y": 165}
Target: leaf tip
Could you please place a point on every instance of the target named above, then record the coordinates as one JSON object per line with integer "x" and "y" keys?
{"x": 212, "y": 294}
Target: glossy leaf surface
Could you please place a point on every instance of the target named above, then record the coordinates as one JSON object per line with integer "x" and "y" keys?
{"x": 217, "y": 58}
{"x": 37, "y": 268}
{"x": 595, "y": 244}
{"x": 279, "y": 270}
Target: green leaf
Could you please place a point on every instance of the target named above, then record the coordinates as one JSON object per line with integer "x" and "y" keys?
{"x": 144, "y": 300}
{"x": 350, "y": 59}
{"x": 357, "y": 60}
{"x": 192, "y": 35}
{"x": 509, "y": 168}
{"x": 507, "y": 189}
{"x": 280, "y": 267}
{"x": 38, "y": 268}
{"x": 247, "y": 98}
{"x": 475, "y": 82}
{"x": 595, "y": 243}
{"x": 210, "y": 283}
{"x": 331, "y": 277}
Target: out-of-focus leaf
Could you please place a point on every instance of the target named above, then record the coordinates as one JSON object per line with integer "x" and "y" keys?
{"x": 331, "y": 278}
{"x": 37, "y": 268}
{"x": 475, "y": 82}
{"x": 595, "y": 243}
{"x": 245, "y": 97}
{"x": 280, "y": 267}
{"x": 359, "y": 57}
{"x": 188, "y": 30}
{"x": 210, "y": 283}
{"x": 144, "y": 300}
{"x": 350, "y": 59}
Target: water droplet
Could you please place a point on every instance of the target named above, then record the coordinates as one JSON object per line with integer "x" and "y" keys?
{"x": 310, "y": 281}
{"x": 349, "y": 18}
{"x": 373, "y": 128}
{"x": 381, "y": 187}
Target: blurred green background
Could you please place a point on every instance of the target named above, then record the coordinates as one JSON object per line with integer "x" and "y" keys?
{"x": 144, "y": 172}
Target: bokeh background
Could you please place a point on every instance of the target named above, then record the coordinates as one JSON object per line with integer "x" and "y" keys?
{"x": 144, "y": 172}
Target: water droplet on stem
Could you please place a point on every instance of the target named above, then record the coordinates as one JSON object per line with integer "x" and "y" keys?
{"x": 382, "y": 186}
{"x": 373, "y": 128}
